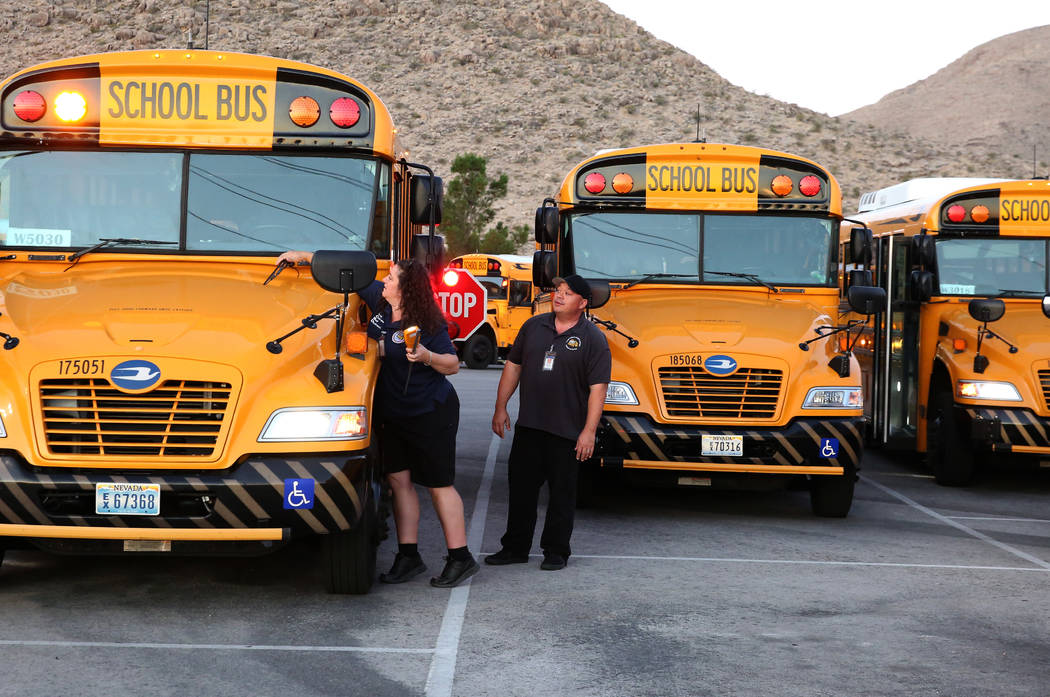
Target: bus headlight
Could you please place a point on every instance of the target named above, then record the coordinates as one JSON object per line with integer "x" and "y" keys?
{"x": 3, "y": 429}
{"x": 996, "y": 391}
{"x": 309, "y": 423}
{"x": 834, "y": 398}
{"x": 620, "y": 393}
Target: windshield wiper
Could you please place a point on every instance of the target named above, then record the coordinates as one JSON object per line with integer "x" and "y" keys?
{"x": 110, "y": 242}
{"x": 1004, "y": 292}
{"x": 747, "y": 276}
{"x": 651, "y": 276}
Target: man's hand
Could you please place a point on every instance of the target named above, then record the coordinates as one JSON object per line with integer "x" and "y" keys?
{"x": 500, "y": 421}
{"x": 585, "y": 445}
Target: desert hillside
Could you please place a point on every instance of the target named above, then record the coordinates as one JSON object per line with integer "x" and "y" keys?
{"x": 993, "y": 100}
{"x": 532, "y": 85}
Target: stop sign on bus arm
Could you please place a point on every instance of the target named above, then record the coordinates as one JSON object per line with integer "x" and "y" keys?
{"x": 462, "y": 299}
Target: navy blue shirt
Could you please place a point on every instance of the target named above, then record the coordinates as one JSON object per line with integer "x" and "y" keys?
{"x": 426, "y": 386}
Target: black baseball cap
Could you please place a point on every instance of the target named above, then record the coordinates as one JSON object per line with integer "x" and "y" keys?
{"x": 576, "y": 284}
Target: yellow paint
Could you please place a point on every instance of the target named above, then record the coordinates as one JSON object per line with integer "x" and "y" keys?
{"x": 78, "y": 532}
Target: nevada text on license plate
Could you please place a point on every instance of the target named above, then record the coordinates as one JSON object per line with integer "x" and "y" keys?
{"x": 113, "y": 498}
{"x": 726, "y": 446}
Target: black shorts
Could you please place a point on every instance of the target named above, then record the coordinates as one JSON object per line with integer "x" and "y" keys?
{"x": 425, "y": 444}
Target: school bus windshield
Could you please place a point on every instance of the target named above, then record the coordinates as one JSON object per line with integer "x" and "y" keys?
{"x": 255, "y": 203}
{"x": 992, "y": 267}
{"x": 776, "y": 249}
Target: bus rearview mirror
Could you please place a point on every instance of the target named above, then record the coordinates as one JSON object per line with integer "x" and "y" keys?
{"x": 543, "y": 270}
{"x": 600, "y": 292}
{"x": 860, "y": 245}
{"x": 1046, "y": 305}
{"x": 866, "y": 300}
{"x": 546, "y": 225}
{"x": 925, "y": 250}
{"x": 426, "y": 193}
{"x": 921, "y": 285}
{"x": 988, "y": 309}
{"x": 343, "y": 271}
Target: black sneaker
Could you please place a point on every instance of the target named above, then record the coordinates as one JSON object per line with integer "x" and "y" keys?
{"x": 552, "y": 561}
{"x": 455, "y": 573}
{"x": 505, "y": 556}
{"x": 404, "y": 569}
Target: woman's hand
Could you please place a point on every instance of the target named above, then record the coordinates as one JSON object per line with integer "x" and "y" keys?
{"x": 295, "y": 257}
{"x": 419, "y": 354}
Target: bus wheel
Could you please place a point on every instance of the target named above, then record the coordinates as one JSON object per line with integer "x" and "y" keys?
{"x": 831, "y": 496}
{"x": 479, "y": 351}
{"x": 350, "y": 555}
{"x": 948, "y": 456}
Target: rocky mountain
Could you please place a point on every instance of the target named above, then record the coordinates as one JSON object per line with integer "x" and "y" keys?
{"x": 532, "y": 85}
{"x": 993, "y": 100}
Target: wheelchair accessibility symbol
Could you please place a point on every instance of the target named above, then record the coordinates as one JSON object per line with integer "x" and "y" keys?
{"x": 829, "y": 447}
{"x": 298, "y": 493}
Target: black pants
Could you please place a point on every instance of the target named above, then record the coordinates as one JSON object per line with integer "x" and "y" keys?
{"x": 537, "y": 457}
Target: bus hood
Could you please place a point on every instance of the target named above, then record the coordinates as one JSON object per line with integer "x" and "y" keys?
{"x": 756, "y": 322}
{"x": 204, "y": 310}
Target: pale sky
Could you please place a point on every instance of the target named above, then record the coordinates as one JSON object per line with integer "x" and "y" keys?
{"x": 830, "y": 56}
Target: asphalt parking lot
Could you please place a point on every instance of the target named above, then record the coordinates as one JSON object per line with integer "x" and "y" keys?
{"x": 922, "y": 590}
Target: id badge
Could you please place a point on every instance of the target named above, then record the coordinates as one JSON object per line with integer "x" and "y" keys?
{"x": 548, "y": 361}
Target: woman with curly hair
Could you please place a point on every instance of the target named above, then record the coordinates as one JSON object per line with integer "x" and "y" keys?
{"x": 416, "y": 417}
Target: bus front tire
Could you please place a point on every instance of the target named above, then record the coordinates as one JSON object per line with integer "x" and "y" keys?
{"x": 350, "y": 555}
{"x": 831, "y": 496}
{"x": 949, "y": 458}
{"x": 479, "y": 352}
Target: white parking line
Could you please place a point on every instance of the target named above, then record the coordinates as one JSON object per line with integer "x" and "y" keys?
{"x": 209, "y": 647}
{"x": 443, "y": 664}
{"x": 1006, "y": 520}
{"x": 815, "y": 562}
{"x": 959, "y": 526}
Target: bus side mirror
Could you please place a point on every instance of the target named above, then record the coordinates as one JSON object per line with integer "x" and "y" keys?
{"x": 543, "y": 270}
{"x": 600, "y": 292}
{"x": 988, "y": 309}
{"x": 921, "y": 285}
{"x": 860, "y": 245}
{"x": 925, "y": 250}
{"x": 425, "y": 194}
{"x": 1046, "y": 305}
{"x": 866, "y": 300}
{"x": 546, "y": 225}
{"x": 430, "y": 247}
{"x": 861, "y": 278}
{"x": 341, "y": 271}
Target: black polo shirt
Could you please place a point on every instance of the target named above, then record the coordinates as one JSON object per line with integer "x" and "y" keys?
{"x": 426, "y": 386}
{"x": 555, "y": 400}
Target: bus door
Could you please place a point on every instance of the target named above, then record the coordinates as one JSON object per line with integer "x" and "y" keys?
{"x": 519, "y": 302}
{"x": 897, "y": 350}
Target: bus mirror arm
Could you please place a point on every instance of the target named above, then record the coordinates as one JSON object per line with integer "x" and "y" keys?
{"x": 330, "y": 370}
{"x": 840, "y": 362}
{"x": 611, "y": 326}
{"x": 9, "y": 341}
{"x": 980, "y": 363}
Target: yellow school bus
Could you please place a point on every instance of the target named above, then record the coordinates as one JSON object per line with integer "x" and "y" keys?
{"x": 157, "y": 394}
{"x": 508, "y": 282}
{"x": 714, "y": 269}
{"x": 959, "y": 367}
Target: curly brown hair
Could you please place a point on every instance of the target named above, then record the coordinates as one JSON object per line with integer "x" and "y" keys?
{"x": 418, "y": 306}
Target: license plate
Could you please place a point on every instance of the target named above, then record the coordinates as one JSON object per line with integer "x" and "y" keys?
{"x": 724, "y": 446}
{"x": 127, "y": 499}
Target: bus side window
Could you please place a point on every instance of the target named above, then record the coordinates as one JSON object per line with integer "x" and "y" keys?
{"x": 520, "y": 294}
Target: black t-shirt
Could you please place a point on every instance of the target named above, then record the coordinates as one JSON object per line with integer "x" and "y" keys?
{"x": 426, "y": 386}
{"x": 555, "y": 400}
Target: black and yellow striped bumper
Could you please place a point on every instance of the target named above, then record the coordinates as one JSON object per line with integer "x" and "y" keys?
{"x": 244, "y": 504}
{"x": 1008, "y": 430}
{"x": 635, "y": 441}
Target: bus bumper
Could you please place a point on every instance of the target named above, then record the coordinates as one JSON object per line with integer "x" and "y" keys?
{"x": 240, "y": 510}
{"x": 635, "y": 441}
{"x": 1016, "y": 431}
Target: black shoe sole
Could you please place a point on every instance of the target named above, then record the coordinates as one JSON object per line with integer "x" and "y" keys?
{"x": 407, "y": 576}
{"x": 553, "y": 566}
{"x": 439, "y": 582}
{"x": 495, "y": 561}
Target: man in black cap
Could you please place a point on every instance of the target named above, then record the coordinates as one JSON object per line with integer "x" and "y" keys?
{"x": 562, "y": 362}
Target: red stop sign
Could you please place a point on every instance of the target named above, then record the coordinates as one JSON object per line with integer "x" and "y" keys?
{"x": 462, "y": 299}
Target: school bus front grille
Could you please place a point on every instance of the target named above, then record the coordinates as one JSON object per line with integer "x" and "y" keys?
{"x": 1044, "y": 381}
{"x": 749, "y": 393}
{"x": 180, "y": 418}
